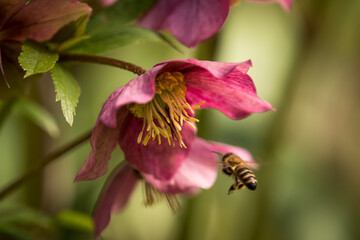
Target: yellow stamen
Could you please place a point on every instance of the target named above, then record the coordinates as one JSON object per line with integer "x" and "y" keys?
{"x": 166, "y": 113}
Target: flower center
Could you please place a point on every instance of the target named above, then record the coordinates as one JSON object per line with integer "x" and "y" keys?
{"x": 166, "y": 113}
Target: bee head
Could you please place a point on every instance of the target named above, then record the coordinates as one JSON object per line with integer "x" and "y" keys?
{"x": 226, "y": 156}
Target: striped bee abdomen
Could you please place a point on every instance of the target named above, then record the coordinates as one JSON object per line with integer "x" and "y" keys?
{"x": 246, "y": 176}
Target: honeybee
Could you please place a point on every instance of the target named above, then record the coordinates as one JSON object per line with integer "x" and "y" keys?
{"x": 234, "y": 166}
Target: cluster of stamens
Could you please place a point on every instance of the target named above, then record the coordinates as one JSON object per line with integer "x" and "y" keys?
{"x": 166, "y": 113}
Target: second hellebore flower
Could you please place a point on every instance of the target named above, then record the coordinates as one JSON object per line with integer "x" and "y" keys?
{"x": 191, "y": 21}
{"x": 152, "y": 117}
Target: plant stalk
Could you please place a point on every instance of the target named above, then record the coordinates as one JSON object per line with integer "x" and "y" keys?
{"x": 103, "y": 60}
{"x": 42, "y": 164}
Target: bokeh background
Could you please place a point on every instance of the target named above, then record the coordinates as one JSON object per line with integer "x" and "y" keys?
{"x": 306, "y": 62}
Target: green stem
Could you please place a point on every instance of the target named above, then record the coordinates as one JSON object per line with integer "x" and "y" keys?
{"x": 6, "y": 109}
{"x": 187, "y": 220}
{"x": 103, "y": 60}
{"x": 34, "y": 147}
{"x": 43, "y": 163}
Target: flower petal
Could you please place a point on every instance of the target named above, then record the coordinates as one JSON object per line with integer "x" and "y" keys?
{"x": 159, "y": 160}
{"x": 106, "y": 3}
{"x": 103, "y": 142}
{"x": 194, "y": 21}
{"x": 286, "y": 4}
{"x": 41, "y": 19}
{"x": 241, "y": 152}
{"x": 190, "y": 21}
{"x": 114, "y": 197}
{"x": 217, "y": 69}
{"x": 234, "y": 95}
{"x": 199, "y": 170}
{"x": 155, "y": 18}
{"x": 139, "y": 90}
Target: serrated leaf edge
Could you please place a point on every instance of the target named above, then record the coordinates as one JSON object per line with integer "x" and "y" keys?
{"x": 28, "y": 72}
{"x": 69, "y": 119}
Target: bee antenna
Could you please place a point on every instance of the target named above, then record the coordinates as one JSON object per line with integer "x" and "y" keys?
{"x": 218, "y": 153}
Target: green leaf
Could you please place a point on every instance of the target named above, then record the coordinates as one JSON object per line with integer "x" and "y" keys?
{"x": 8, "y": 231}
{"x": 20, "y": 222}
{"x": 67, "y": 91}
{"x": 70, "y": 34}
{"x": 35, "y": 58}
{"x": 25, "y": 216}
{"x": 106, "y": 30}
{"x": 72, "y": 30}
{"x": 113, "y": 37}
{"x": 120, "y": 12}
{"x": 38, "y": 115}
{"x": 75, "y": 220}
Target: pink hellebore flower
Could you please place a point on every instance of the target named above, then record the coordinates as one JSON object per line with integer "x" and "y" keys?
{"x": 152, "y": 120}
{"x": 198, "y": 170}
{"x": 152, "y": 116}
{"x": 191, "y": 21}
{"x": 38, "y": 20}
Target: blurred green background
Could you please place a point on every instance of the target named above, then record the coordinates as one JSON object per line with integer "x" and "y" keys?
{"x": 306, "y": 63}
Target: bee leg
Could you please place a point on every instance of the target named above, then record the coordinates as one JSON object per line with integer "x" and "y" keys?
{"x": 234, "y": 187}
{"x": 241, "y": 186}
{"x": 227, "y": 171}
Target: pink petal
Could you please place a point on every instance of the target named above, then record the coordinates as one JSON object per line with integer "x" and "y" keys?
{"x": 194, "y": 21}
{"x": 41, "y": 19}
{"x": 217, "y": 69}
{"x": 156, "y": 17}
{"x": 190, "y": 21}
{"x": 107, "y": 2}
{"x": 199, "y": 170}
{"x": 139, "y": 90}
{"x": 114, "y": 197}
{"x": 234, "y": 95}
{"x": 241, "y": 152}
{"x": 103, "y": 142}
{"x": 162, "y": 160}
{"x": 286, "y": 4}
